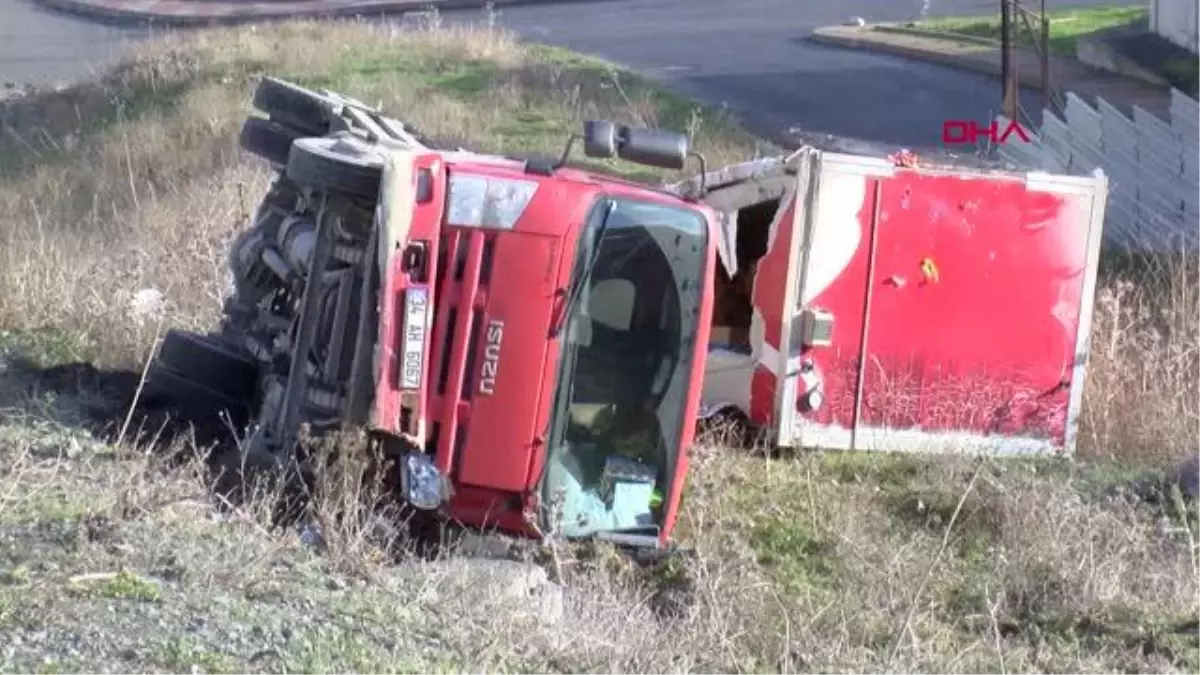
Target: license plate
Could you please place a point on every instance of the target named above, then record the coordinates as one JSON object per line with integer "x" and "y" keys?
{"x": 416, "y": 318}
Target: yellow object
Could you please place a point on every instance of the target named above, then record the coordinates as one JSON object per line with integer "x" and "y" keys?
{"x": 929, "y": 270}
{"x": 656, "y": 498}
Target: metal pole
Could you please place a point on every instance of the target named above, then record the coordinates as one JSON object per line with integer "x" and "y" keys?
{"x": 865, "y": 335}
{"x": 1004, "y": 64}
{"x": 1007, "y": 75}
{"x": 1045, "y": 59}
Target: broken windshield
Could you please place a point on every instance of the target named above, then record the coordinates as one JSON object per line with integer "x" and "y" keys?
{"x": 627, "y": 350}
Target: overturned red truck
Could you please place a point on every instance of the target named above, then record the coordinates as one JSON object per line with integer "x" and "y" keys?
{"x": 535, "y": 343}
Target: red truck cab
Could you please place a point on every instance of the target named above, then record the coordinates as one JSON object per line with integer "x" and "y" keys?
{"x": 545, "y": 350}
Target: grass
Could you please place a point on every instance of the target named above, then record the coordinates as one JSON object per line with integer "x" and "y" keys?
{"x": 1182, "y": 73}
{"x": 1067, "y": 26}
{"x": 114, "y": 557}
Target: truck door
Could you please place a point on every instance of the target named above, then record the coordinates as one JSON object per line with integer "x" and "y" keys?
{"x": 928, "y": 309}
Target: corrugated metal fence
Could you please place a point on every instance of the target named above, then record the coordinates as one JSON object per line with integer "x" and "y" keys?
{"x": 1175, "y": 20}
{"x": 1153, "y": 167}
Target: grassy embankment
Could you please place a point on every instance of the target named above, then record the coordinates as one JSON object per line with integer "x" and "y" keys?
{"x": 1066, "y": 25}
{"x": 110, "y": 561}
{"x": 1067, "y": 28}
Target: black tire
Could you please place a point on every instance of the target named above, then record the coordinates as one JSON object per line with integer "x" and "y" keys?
{"x": 294, "y": 106}
{"x": 195, "y": 403}
{"x": 210, "y": 364}
{"x": 728, "y": 427}
{"x": 266, "y": 139}
{"x": 341, "y": 163}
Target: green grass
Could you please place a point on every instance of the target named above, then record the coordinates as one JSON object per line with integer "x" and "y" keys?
{"x": 539, "y": 127}
{"x": 1066, "y": 26}
{"x": 46, "y": 348}
{"x": 126, "y": 585}
{"x": 1183, "y": 73}
{"x": 186, "y": 655}
{"x": 798, "y": 558}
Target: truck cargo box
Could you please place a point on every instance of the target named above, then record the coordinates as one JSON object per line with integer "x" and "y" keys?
{"x": 894, "y": 306}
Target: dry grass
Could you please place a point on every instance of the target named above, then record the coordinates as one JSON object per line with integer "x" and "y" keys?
{"x": 1142, "y": 398}
{"x": 831, "y": 563}
{"x": 136, "y": 181}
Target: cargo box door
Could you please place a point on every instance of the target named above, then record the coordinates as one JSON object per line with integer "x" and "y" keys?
{"x": 810, "y": 296}
{"x": 938, "y": 311}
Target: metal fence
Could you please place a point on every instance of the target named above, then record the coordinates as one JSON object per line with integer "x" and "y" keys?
{"x": 1153, "y": 167}
{"x": 1175, "y": 20}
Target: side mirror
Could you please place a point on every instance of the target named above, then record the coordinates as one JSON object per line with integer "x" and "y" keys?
{"x": 599, "y": 139}
{"x": 653, "y": 147}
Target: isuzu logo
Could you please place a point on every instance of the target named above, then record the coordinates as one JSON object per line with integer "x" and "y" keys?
{"x": 494, "y": 335}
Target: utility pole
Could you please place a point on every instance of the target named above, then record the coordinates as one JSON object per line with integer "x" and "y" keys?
{"x": 1045, "y": 59}
{"x": 1008, "y": 71}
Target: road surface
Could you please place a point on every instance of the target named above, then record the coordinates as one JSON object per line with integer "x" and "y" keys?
{"x": 750, "y": 55}
{"x": 42, "y": 47}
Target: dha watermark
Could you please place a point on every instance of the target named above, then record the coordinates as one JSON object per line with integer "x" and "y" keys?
{"x": 970, "y": 132}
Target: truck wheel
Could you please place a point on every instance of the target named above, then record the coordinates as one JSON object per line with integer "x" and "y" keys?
{"x": 210, "y": 364}
{"x": 195, "y": 402}
{"x": 342, "y": 163}
{"x": 269, "y": 140}
{"x": 294, "y": 106}
{"x": 729, "y": 427}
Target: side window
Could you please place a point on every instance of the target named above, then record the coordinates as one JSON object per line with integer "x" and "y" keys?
{"x": 611, "y": 303}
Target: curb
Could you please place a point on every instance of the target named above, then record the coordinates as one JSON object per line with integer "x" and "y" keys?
{"x": 218, "y": 12}
{"x": 934, "y": 34}
{"x": 833, "y": 36}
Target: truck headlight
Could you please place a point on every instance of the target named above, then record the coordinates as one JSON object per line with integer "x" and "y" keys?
{"x": 422, "y": 484}
{"x": 483, "y": 201}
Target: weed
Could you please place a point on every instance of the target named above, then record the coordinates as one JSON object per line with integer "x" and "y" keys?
{"x": 124, "y": 585}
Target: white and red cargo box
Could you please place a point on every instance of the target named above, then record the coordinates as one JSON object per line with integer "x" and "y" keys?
{"x": 898, "y": 307}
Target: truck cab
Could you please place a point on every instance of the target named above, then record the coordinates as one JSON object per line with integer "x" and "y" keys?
{"x": 551, "y": 346}
{"x": 525, "y": 340}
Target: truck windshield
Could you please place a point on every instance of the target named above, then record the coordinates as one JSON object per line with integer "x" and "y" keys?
{"x": 627, "y": 347}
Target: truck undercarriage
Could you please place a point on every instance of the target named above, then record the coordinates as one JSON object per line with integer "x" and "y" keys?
{"x": 296, "y": 348}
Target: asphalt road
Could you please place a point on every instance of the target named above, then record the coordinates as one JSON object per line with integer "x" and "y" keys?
{"x": 749, "y": 55}
{"x": 42, "y": 47}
